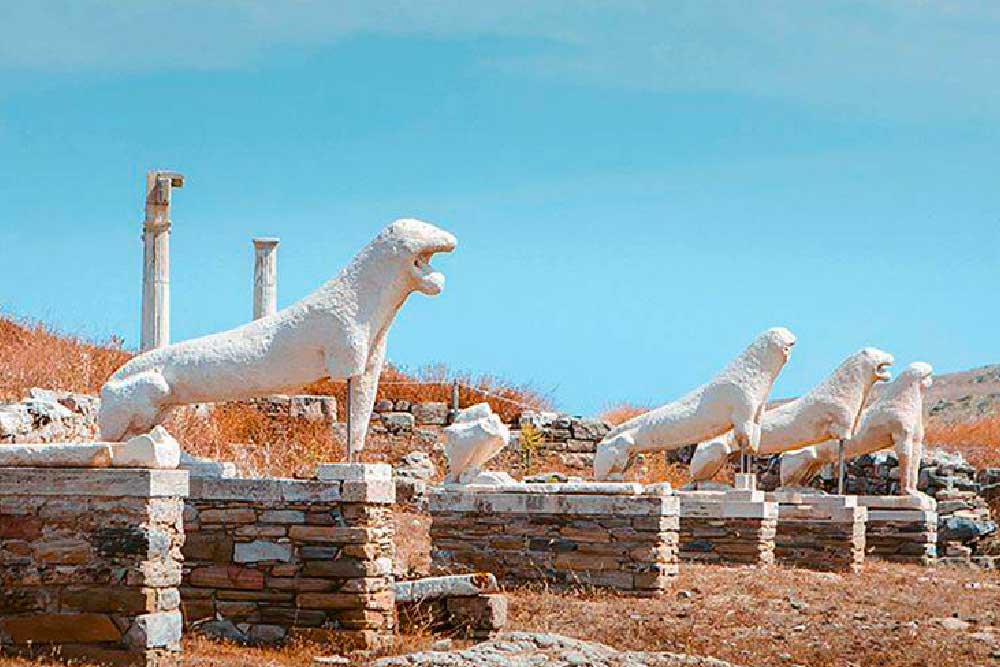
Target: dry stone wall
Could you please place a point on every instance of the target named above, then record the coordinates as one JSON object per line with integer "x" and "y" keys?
{"x": 280, "y": 558}
{"x": 737, "y": 526}
{"x": 820, "y": 532}
{"x": 92, "y": 564}
{"x": 901, "y": 529}
{"x": 619, "y": 536}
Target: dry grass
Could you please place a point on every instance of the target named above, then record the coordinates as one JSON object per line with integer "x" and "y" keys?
{"x": 780, "y": 616}
{"x": 979, "y": 440}
{"x": 257, "y": 443}
{"x": 34, "y": 355}
{"x": 434, "y": 383}
{"x": 619, "y": 414}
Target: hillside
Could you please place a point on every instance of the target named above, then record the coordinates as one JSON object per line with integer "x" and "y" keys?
{"x": 965, "y": 396}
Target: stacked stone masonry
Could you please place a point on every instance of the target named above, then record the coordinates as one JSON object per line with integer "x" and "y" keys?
{"x": 820, "y": 532}
{"x": 902, "y": 529}
{"x": 736, "y": 527}
{"x": 91, "y": 564}
{"x": 281, "y": 558}
{"x": 300, "y": 406}
{"x": 618, "y": 536}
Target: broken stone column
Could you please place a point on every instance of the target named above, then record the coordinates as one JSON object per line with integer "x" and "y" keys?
{"x": 156, "y": 259}
{"x": 265, "y": 277}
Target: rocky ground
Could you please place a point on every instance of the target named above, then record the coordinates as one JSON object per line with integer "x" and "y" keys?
{"x": 526, "y": 649}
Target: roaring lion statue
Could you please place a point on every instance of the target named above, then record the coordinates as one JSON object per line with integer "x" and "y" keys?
{"x": 828, "y": 412}
{"x": 895, "y": 419}
{"x": 733, "y": 400}
{"x": 338, "y": 332}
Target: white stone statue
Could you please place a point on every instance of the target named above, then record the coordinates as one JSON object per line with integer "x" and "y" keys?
{"x": 339, "y": 331}
{"x": 895, "y": 419}
{"x": 156, "y": 449}
{"x": 477, "y": 436}
{"x": 829, "y": 411}
{"x": 733, "y": 400}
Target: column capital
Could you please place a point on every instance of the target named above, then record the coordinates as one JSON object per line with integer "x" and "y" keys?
{"x": 266, "y": 242}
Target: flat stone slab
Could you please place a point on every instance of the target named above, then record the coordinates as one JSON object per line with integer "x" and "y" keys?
{"x": 226, "y": 469}
{"x": 154, "y": 450}
{"x": 460, "y": 499}
{"x": 124, "y": 482}
{"x": 353, "y": 472}
{"x": 560, "y": 488}
{"x": 265, "y": 490}
{"x": 733, "y": 504}
{"x": 898, "y": 502}
{"x": 436, "y": 588}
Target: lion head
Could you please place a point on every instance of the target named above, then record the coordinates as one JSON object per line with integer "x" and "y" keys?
{"x": 875, "y": 363}
{"x": 918, "y": 371}
{"x": 778, "y": 341}
{"x": 415, "y": 242}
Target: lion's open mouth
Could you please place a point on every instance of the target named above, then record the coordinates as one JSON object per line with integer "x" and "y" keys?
{"x": 429, "y": 281}
{"x": 882, "y": 371}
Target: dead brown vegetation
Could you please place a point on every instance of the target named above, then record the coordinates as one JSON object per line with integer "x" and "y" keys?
{"x": 35, "y": 355}
{"x": 978, "y": 440}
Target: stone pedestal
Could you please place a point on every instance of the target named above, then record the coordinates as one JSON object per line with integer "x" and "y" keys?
{"x": 902, "y": 529}
{"x": 819, "y": 532}
{"x": 90, "y": 561}
{"x": 281, "y": 558}
{"x": 615, "y": 535}
{"x": 735, "y": 526}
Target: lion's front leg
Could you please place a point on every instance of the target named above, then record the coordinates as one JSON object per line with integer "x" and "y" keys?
{"x": 746, "y": 428}
{"x": 361, "y": 401}
{"x": 908, "y": 452}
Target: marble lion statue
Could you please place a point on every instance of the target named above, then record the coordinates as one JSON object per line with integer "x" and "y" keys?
{"x": 829, "y": 411}
{"x": 895, "y": 419}
{"x": 732, "y": 401}
{"x": 477, "y": 436}
{"x": 338, "y": 332}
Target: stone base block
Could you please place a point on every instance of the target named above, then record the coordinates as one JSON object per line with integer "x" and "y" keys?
{"x": 619, "y": 536}
{"x": 901, "y": 529}
{"x": 280, "y": 557}
{"x": 820, "y": 532}
{"x": 467, "y": 605}
{"x": 736, "y": 526}
{"x": 90, "y": 562}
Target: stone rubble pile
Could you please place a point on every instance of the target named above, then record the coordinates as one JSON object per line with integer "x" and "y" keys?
{"x": 964, "y": 520}
{"x": 572, "y": 439}
{"x": 299, "y": 406}
{"x": 412, "y": 474}
{"x": 49, "y": 416}
{"x": 524, "y": 649}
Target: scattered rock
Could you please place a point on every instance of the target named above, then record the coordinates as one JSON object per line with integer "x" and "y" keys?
{"x": 521, "y": 649}
{"x": 416, "y": 465}
{"x": 953, "y": 624}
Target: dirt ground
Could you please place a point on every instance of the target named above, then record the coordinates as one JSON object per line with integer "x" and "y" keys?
{"x": 886, "y": 616}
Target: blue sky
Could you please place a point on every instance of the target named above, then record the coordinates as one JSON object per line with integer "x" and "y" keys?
{"x": 638, "y": 188}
